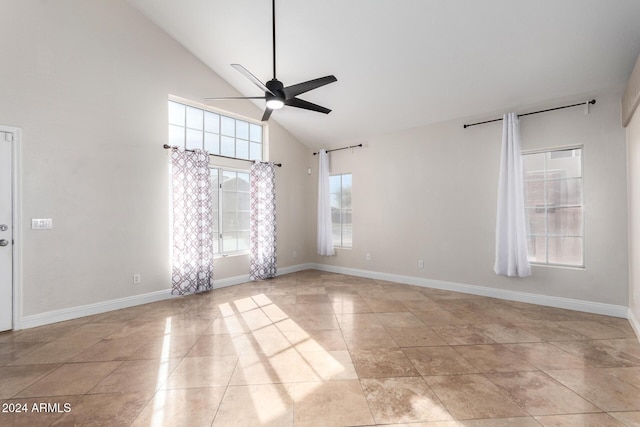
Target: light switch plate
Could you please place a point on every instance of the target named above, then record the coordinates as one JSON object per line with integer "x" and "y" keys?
{"x": 41, "y": 224}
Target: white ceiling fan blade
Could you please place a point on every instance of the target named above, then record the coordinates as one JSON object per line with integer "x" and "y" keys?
{"x": 251, "y": 77}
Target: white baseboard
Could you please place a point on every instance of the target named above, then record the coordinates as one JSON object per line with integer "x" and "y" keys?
{"x": 101, "y": 307}
{"x": 551, "y": 301}
{"x": 635, "y": 323}
{"x": 237, "y": 280}
{"x": 296, "y": 268}
{"x": 230, "y": 281}
{"x": 545, "y": 300}
{"x": 90, "y": 309}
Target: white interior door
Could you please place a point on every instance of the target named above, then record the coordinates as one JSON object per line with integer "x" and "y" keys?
{"x": 6, "y": 231}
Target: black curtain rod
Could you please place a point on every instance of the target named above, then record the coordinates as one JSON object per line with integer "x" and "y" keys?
{"x": 593, "y": 101}
{"x": 343, "y": 148}
{"x": 166, "y": 147}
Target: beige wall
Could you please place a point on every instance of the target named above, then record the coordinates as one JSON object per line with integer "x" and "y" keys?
{"x": 633, "y": 153}
{"x": 631, "y": 119}
{"x": 430, "y": 193}
{"x": 88, "y": 84}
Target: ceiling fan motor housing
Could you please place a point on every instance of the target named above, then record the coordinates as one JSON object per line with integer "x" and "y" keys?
{"x": 276, "y": 87}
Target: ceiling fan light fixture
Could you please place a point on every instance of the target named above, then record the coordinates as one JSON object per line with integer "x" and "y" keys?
{"x": 275, "y": 104}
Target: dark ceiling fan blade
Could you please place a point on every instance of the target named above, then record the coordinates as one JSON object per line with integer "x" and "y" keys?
{"x": 251, "y": 77}
{"x": 267, "y": 114}
{"x": 301, "y": 103}
{"x": 295, "y": 90}
{"x": 231, "y": 98}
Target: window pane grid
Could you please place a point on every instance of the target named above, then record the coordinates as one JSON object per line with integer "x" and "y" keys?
{"x": 341, "y": 213}
{"x": 554, "y": 207}
{"x": 195, "y": 128}
{"x": 191, "y": 127}
{"x": 231, "y": 211}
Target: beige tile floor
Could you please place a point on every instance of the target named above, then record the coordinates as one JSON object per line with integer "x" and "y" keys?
{"x": 323, "y": 349}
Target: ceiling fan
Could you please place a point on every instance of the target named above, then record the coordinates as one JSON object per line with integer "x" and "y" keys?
{"x": 275, "y": 93}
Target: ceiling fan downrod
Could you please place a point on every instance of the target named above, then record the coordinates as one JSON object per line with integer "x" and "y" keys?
{"x": 273, "y": 30}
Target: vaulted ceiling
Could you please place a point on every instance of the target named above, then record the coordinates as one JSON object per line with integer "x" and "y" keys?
{"x": 409, "y": 63}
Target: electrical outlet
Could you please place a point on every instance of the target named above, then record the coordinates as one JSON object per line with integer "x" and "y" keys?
{"x": 137, "y": 279}
{"x": 295, "y": 254}
{"x": 368, "y": 256}
{"x": 420, "y": 263}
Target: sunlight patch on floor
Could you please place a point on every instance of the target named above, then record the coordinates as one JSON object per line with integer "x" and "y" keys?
{"x": 275, "y": 357}
{"x": 163, "y": 372}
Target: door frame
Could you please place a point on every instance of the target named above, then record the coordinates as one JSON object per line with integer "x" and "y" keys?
{"x": 16, "y": 201}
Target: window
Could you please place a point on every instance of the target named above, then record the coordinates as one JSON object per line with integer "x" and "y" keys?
{"x": 192, "y": 127}
{"x": 340, "y": 194}
{"x": 230, "y": 211}
{"x": 554, "y": 206}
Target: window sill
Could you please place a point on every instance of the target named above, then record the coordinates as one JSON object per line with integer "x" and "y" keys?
{"x": 235, "y": 254}
{"x": 564, "y": 267}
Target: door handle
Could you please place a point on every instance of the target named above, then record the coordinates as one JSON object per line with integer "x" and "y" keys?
{"x": 4, "y": 242}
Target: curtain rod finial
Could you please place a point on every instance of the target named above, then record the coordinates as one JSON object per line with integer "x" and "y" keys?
{"x": 586, "y": 106}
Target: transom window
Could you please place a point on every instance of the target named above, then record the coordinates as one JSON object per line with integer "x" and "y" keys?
{"x": 340, "y": 195}
{"x": 554, "y": 206}
{"x": 191, "y": 127}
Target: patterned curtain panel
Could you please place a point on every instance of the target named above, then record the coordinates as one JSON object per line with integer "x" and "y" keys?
{"x": 262, "y": 259}
{"x": 192, "y": 257}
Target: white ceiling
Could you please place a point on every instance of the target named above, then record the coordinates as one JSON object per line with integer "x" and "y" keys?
{"x": 403, "y": 64}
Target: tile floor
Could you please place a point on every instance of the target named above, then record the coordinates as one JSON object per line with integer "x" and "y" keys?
{"x": 314, "y": 348}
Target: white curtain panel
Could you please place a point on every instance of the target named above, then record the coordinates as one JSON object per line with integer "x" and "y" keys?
{"x": 325, "y": 232}
{"x": 262, "y": 257}
{"x": 511, "y": 227}
{"x": 192, "y": 256}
